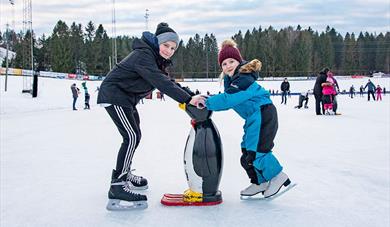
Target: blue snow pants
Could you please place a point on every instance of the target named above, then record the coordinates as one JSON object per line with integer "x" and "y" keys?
{"x": 262, "y": 165}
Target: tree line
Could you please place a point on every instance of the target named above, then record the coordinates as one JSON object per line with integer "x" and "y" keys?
{"x": 285, "y": 52}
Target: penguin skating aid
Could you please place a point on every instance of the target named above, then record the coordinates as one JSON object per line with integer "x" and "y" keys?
{"x": 203, "y": 162}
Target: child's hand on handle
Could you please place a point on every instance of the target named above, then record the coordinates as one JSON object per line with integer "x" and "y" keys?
{"x": 199, "y": 101}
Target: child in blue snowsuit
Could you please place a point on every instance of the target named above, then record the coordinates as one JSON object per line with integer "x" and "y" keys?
{"x": 252, "y": 102}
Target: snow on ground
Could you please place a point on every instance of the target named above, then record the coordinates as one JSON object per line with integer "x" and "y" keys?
{"x": 56, "y": 163}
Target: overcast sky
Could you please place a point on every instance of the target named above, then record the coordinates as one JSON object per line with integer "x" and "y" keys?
{"x": 188, "y": 17}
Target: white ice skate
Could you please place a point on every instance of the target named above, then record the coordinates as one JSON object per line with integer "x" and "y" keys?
{"x": 274, "y": 189}
{"x": 254, "y": 189}
{"x": 276, "y": 184}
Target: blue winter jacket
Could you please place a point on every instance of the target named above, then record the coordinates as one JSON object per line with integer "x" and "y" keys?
{"x": 245, "y": 96}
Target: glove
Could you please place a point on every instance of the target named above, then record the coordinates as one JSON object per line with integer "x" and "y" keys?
{"x": 250, "y": 157}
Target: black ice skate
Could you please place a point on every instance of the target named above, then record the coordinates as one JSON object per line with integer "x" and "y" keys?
{"x": 137, "y": 182}
{"x": 122, "y": 198}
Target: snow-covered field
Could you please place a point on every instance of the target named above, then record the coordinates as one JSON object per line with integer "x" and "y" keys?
{"x": 56, "y": 163}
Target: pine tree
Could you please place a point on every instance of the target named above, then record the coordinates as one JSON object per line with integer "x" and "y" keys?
{"x": 238, "y": 38}
{"x": 101, "y": 46}
{"x": 105, "y": 53}
{"x": 268, "y": 55}
{"x": 189, "y": 59}
{"x": 282, "y": 54}
{"x": 386, "y": 50}
{"x": 316, "y": 54}
{"x": 327, "y": 50}
{"x": 371, "y": 51}
{"x": 206, "y": 50}
{"x": 382, "y": 55}
{"x": 302, "y": 47}
{"x": 90, "y": 53}
{"x": 60, "y": 49}
{"x": 200, "y": 57}
{"x": 124, "y": 45}
{"x": 351, "y": 59}
{"x": 252, "y": 51}
{"x": 337, "y": 43}
{"x": 192, "y": 56}
{"x": 17, "y": 46}
{"x": 245, "y": 46}
{"x": 77, "y": 48}
{"x": 177, "y": 69}
{"x": 42, "y": 54}
{"x": 213, "y": 50}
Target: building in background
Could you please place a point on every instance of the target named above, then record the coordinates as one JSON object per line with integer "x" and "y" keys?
{"x": 3, "y": 53}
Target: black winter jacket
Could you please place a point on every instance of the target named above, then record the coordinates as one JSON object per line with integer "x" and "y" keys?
{"x": 138, "y": 74}
{"x": 285, "y": 86}
{"x": 321, "y": 78}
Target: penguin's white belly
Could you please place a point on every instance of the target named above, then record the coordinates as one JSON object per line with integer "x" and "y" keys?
{"x": 194, "y": 181}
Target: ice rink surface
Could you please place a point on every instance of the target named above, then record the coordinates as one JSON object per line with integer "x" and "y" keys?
{"x": 56, "y": 163}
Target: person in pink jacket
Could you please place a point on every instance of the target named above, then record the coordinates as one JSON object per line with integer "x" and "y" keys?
{"x": 328, "y": 93}
{"x": 378, "y": 93}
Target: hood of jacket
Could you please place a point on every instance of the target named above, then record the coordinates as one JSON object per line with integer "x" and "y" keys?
{"x": 149, "y": 41}
{"x": 251, "y": 68}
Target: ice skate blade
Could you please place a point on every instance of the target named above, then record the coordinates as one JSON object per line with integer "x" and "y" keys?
{"x": 260, "y": 192}
{"x": 281, "y": 192}
{"x": 121, "y": 205}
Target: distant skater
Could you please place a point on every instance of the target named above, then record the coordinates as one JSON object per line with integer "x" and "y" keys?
{"x": 378, "y": 93}
{"x": 285, "y": 88}
{"x": 87, "y": 97}
{"x": 317, "y": 91}
{"x": 328, "y": 93}
{"x": 304, "y": 96}
{"x": 361, "y": 91}
{"x": 371, "y": 89}
{"x": 75, "y": 94}
{"x": 351, "y": 91}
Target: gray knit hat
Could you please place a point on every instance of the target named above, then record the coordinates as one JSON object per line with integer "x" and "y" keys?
{"x": 164, "y": 34}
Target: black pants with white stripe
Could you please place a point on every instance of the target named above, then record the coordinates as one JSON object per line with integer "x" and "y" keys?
{"x": 127, "y": 121}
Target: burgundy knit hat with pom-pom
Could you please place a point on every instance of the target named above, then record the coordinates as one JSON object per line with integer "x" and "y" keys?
{"x": 229, "y": 50}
